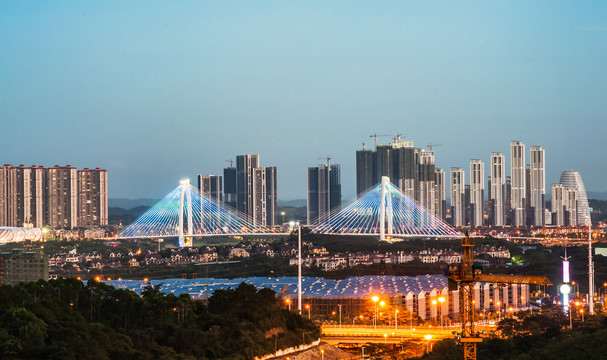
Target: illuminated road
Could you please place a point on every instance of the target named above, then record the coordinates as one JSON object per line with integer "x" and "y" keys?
{"x": 386, "y": 334}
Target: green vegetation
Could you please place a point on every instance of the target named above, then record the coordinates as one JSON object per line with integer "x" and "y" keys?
{"x": 66, "y": 319}
{"x": 536, "y": 336}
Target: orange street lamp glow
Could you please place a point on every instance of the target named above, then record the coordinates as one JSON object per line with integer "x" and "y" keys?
{"x": 375, "y": 299}
{"x": 382, "y": 303}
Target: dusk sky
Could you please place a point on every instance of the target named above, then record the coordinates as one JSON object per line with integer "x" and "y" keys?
{"x": 155, "y": 91}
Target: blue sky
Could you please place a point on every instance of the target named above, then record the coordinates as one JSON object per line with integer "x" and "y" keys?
{"x": 155, "y": 91}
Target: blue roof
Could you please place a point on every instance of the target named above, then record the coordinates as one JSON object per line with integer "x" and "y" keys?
{"x": 352, "y": 287}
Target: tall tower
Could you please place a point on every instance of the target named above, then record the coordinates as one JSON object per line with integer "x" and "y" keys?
{"x": 324, "y": 190}
{"x": 537, "y": 185}
{"x": 426, "y": 180}
{"x": 498, "y": 188}
{"x": 477, "y": 187}
{"x": 229, "y": 186}
{"x": 244, "y": 182}
{"x": 365, "y": 170}
{"x": 92, "y": 197}
{"x": 265, "y": 196}
{"x": 440, "y": 209}
{"x": 406, "y": 168}
{"x": 518, "y": 183}
{"x": 210, "y": 186}
{"x": 573, "y": 179}
{"x": 558, "y": 206}
{"x": 62, "y": 197}
{"x": 457, "y": 196}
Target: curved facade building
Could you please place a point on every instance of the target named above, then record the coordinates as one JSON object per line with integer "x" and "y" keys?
{"x": 573, "y": 179}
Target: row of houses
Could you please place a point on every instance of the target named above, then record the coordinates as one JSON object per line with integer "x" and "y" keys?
{"x": 427, "y": 256}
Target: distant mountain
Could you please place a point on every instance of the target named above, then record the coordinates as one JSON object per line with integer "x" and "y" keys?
{"x": 597, "y": 195}
{"x": 293, "y": 203}
{"x": 131, "y": 203}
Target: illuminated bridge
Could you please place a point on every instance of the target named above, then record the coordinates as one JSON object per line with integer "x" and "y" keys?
{"x": 185, "y": 213}
{"x": 385, "y": 211}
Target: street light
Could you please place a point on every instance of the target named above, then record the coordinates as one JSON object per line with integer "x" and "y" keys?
{"x": 288, "y": 301}
{"x": 375, "y": 300}
{"x": 434, "y": 302}
{"x": 308, "y": 308}
{"x": 382, "y": 304}
{"x": 396, "y": 319}
{"x": 441, "y": 300}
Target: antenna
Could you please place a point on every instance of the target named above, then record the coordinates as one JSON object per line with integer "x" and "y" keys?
{"x": 230, "y": 161}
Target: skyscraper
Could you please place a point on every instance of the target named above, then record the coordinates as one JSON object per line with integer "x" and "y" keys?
{"x": 92, "y": 197}
{"x": 498, "y": 188}
{"x": 537, "y": 185}
{"x": 62, "y": 197}
{"x": 571, "y": 202}
{"x": 518, "y": 184}
{"x": 244, "y": 182}
{"x": 210, "y": 186}
{"x": 477, "y": 187}
{"x": 440, "y": 209}
{"x": 324, "y": 190}
{"x": 573, "y": 179}
{"x": 406, "y": 168}
{"x": 365, "y": 171}
{"x": 229, "y": 186}
{"x": 426, "y": 181}
{"x": 457, "y": 178}
{"x": 265, "y": 197}
{"x": 558, "y": 206}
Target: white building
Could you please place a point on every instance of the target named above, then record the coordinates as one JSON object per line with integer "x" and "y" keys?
{"x": 518, "y": 183}
{"x": 537, "y": 185}
{"x": 457, "y": 196}
{"x": 574, "y": 180}
{"x": 477, "y": 187}
{"x": 498, "y": 188}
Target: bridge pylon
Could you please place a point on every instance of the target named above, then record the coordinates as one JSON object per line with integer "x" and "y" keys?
{"x": 185, "y": 194}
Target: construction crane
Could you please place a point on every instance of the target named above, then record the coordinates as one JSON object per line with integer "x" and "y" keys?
{"x": 376, "y": 136}
{"x": 363, "y": 146}
{"x": 465, "y": 275}
{"x": 230, "y": 161}
{"x": 325, "y": 158}
{"x": 396, "y": 138}
{"x": 431, "y": 145}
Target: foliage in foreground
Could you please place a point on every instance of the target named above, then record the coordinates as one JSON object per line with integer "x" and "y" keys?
{"x": 66, "y": 319}
{"x": 536, "y": 336}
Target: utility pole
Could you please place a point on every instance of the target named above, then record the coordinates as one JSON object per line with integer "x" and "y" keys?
{"x": 299, "y": 269}
{"x": 590, "y": 273}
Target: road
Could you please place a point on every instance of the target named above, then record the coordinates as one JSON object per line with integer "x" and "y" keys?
{"x": 386, "y": 334}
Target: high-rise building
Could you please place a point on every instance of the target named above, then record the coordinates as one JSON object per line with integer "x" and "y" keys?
{"x": 265, "y": 196}
{"x": 59, "y": 197}
{"x": 229, "y": 186}
{"x": 558, "y": 205}
{"x": 426, "y": 178}
{"x": 537, "y": 185}
{"x": 497, "y": 189}
{"x": 573, "y": 179}
{"x": 324, "y": 191}
{"x": 365, "y": 171}
{"x": 518, "y": 183}
{"x": 62, "y": 197}
{"x": 244, "y": 182}
{"x": 457, "y": 178}
{"x": 477, "y": 187}
{"x": 571, "y": 202}
{"x": 210, "y": 186}
{"x": 406, "y": 168}
{"x": 440, "y": 209}
{"x": 92, "y": 197}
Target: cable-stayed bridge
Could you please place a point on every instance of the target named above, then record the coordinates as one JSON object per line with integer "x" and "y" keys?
{"x": 185, "y": 213}
{"x": 385, "y": 211}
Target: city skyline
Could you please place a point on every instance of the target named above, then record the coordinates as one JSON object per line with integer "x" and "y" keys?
{"x": 156, "y": 94}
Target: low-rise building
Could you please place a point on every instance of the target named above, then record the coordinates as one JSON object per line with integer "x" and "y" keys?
{"x": 18, "y": 266}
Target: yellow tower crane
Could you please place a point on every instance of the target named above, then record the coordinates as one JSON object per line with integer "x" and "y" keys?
{"x": 465, "y": 275}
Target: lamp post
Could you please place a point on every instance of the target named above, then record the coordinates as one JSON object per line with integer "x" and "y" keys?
{"x": 339, "y": 315}
{"x": 434, "y": 302}
{"x": 308, "y": 308}
{"x": 288, "y": 301}
{"x": 299, "y": 269}
{"x": 382, "y": 304}
{"x": 375, "y": 300}
{"x": 441, "y": 300}
{"x": 411, "y": 318}
{"x": 396, "y": 319}
{"x": 499, "y": 311}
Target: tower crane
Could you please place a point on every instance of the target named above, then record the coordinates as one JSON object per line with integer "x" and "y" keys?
{"x": 230, "y": 161}
{"x": 396, "y": 138}
{"x": 376, "y": 136}
{"x": 465, "y": 275}
{"x": 431, "y": 145}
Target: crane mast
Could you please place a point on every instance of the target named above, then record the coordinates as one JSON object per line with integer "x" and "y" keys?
{"x": 465, "y": 275}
